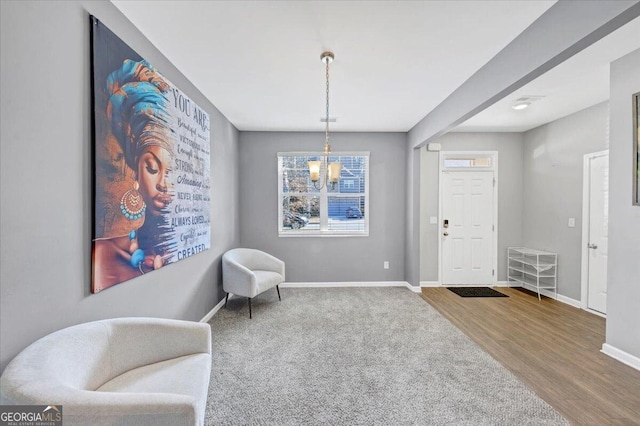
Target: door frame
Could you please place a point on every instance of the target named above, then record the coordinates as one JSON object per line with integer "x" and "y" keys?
{"x": 586, "y": 201}
{"x": 494, "y": 168}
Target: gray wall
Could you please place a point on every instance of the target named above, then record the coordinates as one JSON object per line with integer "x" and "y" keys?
{"x": 509, "y": 147}
{"x": 412, "y": 231}
{"x": 327, "y": 259}
{"x": 553, "y": 166}
{"x": 46, "y": 182}
{"x": 623, "y": 304}
{"x": 429, "y": 185}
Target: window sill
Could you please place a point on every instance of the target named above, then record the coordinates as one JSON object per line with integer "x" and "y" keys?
{"x": 290, "y": 234}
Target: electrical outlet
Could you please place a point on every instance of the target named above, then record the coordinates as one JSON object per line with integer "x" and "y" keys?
{"x": 386, "y": 264}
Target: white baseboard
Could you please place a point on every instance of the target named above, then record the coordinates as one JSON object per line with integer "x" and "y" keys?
{"x": 213, "y": 311}
{"x": 351, "y": 284}
{"x": 414, "y": 289}
{"x": 552, "y": 295}
{"x": 220, "y": 304}
{"x": 622, "y": 356}
{"x": 559, "y": 297}
{"x": 569, "y": 301}
{"x": 591, "y": 311}
{"x": 437, "y": 284}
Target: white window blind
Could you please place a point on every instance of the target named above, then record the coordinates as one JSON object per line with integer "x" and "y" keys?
{"x": 339, "y": 211}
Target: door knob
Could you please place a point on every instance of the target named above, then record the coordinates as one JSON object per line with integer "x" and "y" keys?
{"x": 446, "y": 234}
{"x": 592, "y": 246}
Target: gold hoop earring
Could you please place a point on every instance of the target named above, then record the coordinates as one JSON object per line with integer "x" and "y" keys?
{"x": 132, "y": 205}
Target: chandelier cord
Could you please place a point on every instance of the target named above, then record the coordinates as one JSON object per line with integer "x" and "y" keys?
{"x": 326, "y": 127}
{"x": 324, "y": 166}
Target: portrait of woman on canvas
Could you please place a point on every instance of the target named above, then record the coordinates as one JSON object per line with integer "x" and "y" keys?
{"x": 133, "y": 177}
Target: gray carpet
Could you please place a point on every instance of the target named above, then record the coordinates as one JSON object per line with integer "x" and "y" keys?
{"x": 357, "y": 356}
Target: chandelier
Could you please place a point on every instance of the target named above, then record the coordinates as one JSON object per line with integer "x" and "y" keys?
{"x": 331, "y": 170}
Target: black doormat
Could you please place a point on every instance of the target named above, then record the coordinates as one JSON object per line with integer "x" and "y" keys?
{"x": 476, "y": 292}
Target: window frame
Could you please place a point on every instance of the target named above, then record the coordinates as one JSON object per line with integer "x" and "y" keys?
{"x": 470, "y": 156}
{"x": 323, "y": 194}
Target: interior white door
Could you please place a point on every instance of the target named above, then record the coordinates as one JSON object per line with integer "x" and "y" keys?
{"x": 467, "y": 228}
{"x": 598, "y": 232}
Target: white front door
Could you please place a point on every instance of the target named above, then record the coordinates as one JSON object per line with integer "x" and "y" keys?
{"x": 467, "y": 227}
{"x": 598, "y": 232}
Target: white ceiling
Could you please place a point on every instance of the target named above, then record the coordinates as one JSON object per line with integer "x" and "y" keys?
{"x": 578, "y": 83}
{"x": 259, "y": 61}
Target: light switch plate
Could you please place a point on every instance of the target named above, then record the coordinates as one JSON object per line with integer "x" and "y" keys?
{"x": 433, "y": 220}
{"x": 572, "y": 222}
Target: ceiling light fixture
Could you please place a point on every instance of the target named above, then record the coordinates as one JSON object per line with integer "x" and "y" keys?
{"x": 332, "y": 170}
{"x": 524, "y": 102}
{"x": 520, "y": 105}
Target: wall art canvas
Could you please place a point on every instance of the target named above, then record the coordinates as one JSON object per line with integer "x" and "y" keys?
{"x": 151, "y": 157}
{"x": 636, "y": 149}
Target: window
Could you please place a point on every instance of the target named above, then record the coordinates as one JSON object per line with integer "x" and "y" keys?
{"x": 457, "y": 161}
{"x": 306, "y": 211}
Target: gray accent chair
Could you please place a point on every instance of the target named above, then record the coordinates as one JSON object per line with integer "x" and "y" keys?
{"x": 124, "y": 371}
{"x": 249, "y": 272}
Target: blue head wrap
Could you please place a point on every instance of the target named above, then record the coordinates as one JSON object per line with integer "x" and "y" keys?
{"x": 137, "y": 110}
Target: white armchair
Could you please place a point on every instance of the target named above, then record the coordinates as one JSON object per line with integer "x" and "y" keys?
{"x": 249, "y": 272}
{"x": 124, "y": 371}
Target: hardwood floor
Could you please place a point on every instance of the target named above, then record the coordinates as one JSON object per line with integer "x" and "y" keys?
{"x": 553, "y": 348}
